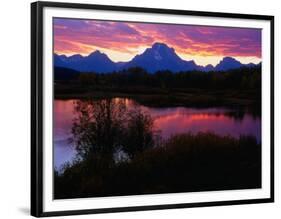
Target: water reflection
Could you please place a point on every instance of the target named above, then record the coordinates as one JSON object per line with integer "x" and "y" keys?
{"x": 170, "y": 121}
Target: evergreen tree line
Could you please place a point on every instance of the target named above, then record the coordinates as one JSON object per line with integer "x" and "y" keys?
{"x": 243, "y": 78}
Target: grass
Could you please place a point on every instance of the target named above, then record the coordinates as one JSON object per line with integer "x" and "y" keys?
{"x": 183, "y": 163}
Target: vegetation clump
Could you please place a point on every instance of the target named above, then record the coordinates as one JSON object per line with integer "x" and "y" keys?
{"x": 182, "y": 163}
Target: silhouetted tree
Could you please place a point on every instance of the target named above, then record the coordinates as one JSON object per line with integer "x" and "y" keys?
{"x": 98, "y": 126}
{"x": 102, "y": 127}
{"x": 139, "y": 134}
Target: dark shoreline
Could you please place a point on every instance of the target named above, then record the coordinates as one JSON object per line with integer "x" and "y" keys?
{"x": 184, "y": 163}
{"x": 171, "y": 99}
{"x": 233, "y": 88}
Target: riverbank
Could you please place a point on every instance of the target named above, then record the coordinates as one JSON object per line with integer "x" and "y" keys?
{"x": 183, "y": 163}
{"x": 157, "y": 97}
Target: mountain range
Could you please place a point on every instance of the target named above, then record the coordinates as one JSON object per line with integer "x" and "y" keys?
{"x": 158, "y": 57}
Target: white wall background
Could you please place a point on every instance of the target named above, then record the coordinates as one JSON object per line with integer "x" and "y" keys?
{"x": 15, "y": 109}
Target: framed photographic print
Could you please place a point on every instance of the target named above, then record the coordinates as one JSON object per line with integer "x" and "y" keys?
{"x": 143, "y": 108}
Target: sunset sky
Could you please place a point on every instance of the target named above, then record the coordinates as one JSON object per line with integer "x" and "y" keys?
{"x": 121, "y": 41}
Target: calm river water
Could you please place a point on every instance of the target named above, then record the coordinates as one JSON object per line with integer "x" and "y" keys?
{"x": 170, "y": 120}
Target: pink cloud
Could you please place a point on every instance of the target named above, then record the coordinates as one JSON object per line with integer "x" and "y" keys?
{"x": 79, "y": 36}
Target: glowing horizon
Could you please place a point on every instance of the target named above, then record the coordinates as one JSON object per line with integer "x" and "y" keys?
{"x": 121, "y": 41}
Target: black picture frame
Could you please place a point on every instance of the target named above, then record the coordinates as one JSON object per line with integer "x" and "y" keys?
{"x": 37, "y": 107}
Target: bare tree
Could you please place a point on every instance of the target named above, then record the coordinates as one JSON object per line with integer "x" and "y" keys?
{"x": 98, "y": 126}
